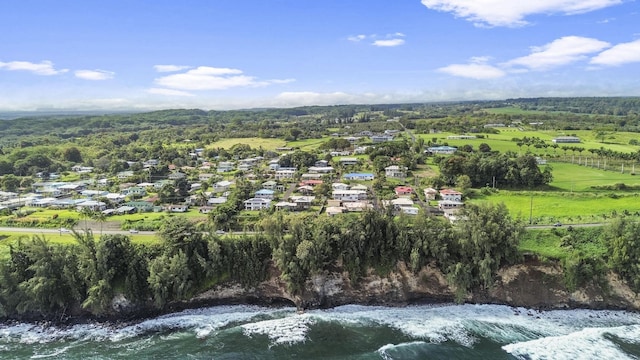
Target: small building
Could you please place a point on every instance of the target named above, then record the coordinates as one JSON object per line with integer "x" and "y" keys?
{"x": 216, "y": 201}
{"x": 409, "y": 210}
{"x": 395, "y": 171}
{"x": 256, "y": 204}
{"x": 449, "y": 205}
{"x": 205, "y": 177}
{"x": 205, "y": 209}
{"x": 334, "y": 210}
{"x": 178, "y": 208}
{"x": 284, "y": 205}
{"x": 340, "y": 186}
{"x": 302, "y": 202}
{"x": 430, "y": 193}
{"x": 381, "y": 138}
{"x": 176, "y": 176}
{"x": 461, "y": 137}
{"x": 566, "y": 139}
{"x": 91, "y": 204}
{"x": 359, "y": 176}
{"x": 321, "y": 169}
{"x": 441, "y": 150}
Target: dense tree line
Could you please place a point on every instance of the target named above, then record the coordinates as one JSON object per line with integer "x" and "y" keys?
{"x": 485, "y": 169}
{"x": 44, "y": 279}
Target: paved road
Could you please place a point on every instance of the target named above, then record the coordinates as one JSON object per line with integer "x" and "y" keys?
{"x": 58, "y": 231}
{"x": 538, "y": 227}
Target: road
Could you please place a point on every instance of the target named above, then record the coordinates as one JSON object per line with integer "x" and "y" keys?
{"x": 58, "y": 231}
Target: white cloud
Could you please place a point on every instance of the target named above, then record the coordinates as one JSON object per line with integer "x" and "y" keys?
{"x": 170, "y": 68}
{"x": 512, "y": 13}
{"x": 619, "y": 54}
{"x": 211, "y": 78}
{"x": 356, "y": 38}
{"x": 478, "y": 71}
{"x": 42, "y": 68}
{"x": 94, "y": 74}
{"x": 559, "y": 52}
{"x": 168, "y": 92}
{"x": 388, "y": 43}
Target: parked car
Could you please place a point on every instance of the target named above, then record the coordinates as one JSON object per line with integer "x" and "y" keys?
{"x": 64, "y": 230}
{"x": 219, "y": 232}
{"x": 133, "y": 231}
{"x": 557, "y": 224}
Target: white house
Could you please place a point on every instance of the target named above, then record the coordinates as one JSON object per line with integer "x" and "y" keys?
{"x": 256, "y": 204}
{"x": 381, "y": 138}
{"x": 285, "y": 174}
{"x": 340, "y": 186}
{"x": 450, "y": 195}
{"x": 359, "y": 176}
{"x": 441, "y": 150}
{"x": 222, "y": 186}
{"x": 320, "y": 169}
{"x": 349, "y": 195}
{"x": 205, "y": 176}
{"x": 176, "y": 176}
{"x": 225, "y": 166}
{"x": 395, "y": 171}
{"x": 348, "y": 161}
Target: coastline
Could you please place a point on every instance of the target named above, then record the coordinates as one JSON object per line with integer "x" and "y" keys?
{"x": 533, "y": 285}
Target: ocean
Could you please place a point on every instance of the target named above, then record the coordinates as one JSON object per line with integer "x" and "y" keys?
{"x": 345, "y": 332}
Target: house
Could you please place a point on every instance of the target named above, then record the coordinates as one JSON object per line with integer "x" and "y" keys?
{"x": 359, "y": 176}
{"x": 205, "y": 177}
{"x": 461, "y": 137}
{"x": 135, "y": 191}
{"x": 178, "y": 208}
{"x": 445, "y": 205}
{"x": 340, "y": 153}
{"x": 225, "y": 166}
{"x": 334, "y": 210}
{"x": 264, "y": 194}
{"x": 302, "y": 202}
{"x": 271, "y": 185}
{"x": 347, "y": 161}
{"x": 93, "y": 193}
{"x": 356, "y": 206}
{"x": 274, "y": 165}
{"x": 494, "y": 125}
{"x": 285, "y": 174}
{"x": 256, "y": 204}
{"x": 566, "y": 139}
{"x": 162, "y": 183}
{"x": 311, "y": 182}
{"x": 430, "y": 193}
{"x": 359, "y": 187}
{"x": 71, "y": 188}
{"x": 176, "y": 176}
{"x": 305, "y": 189}
{"x": 320, "y": 169}
{"x": 141, "y": 206}
{"x": 222, "y": 186}
{"x": 349, "y": 195}
{"x": 82, "y": 169}
{"x": 124, "y": 175}
{"x": 352, "y": 139}
{"x": 284, "y": 205}
{"x": 216, "y": 201}
{"x": 150, "y": 163}
{"x": 381, "y": 138}
{"x": 125, "y": 210}
{"x": 360, "y": 150}
{"x": 409, "y": 210}
{"x": 441, "y": 150}
{"x": 450, "y": 195}
{"x": 403, "y": 191}
{"x": 245, "y": 166}
{"x": 205, "y": 209}
{"x": 340, "y": 186}
{"x": 395, "y": 171}
{"x": 321, "y": 163}
{"x": 309, "y": 176}
{"x": 91, "y": 204}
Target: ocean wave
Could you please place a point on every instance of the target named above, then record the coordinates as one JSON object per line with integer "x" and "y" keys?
{"x": 591, "y": 343}
{"x": 287, "y": 330}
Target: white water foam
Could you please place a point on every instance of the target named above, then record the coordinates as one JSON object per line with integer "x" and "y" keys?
{"x": 54, "y": 354}
{"x": 285, "y": 331}
{"x": 386, "y": 349}
{"x": 201, "y": 321}
{"x": 585, "y": 344}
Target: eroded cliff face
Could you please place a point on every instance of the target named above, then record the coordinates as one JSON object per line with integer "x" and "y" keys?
{"x": 532, "y": 285}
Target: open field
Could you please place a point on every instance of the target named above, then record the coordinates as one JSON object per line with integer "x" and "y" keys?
{"x": 503, "y": 141}
{"x": 573, "y": 177}
{"x": 267, "y": 144}
{"x": 308, "y": 144}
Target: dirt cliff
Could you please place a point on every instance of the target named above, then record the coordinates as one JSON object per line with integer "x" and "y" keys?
{"x": 532, "y": 284}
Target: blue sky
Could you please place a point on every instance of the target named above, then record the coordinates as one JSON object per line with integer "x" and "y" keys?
{"x": 217, "y": 54}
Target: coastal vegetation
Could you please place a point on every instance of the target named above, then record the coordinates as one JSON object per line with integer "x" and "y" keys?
{"x": 507, "y": 167}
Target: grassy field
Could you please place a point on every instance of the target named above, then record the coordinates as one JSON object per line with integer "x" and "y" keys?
{"x": 571, "y": 198}
{"x": 267, "y": 144}
{"x": 503, "y": 141}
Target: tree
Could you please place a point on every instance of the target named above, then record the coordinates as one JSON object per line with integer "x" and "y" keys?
{"x": 72, "y": 154}
{"x": 10, "y": 183}
{"x": 623, "y": 239}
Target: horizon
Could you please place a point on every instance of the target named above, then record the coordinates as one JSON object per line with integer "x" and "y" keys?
{"x": 134, "y": 57}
